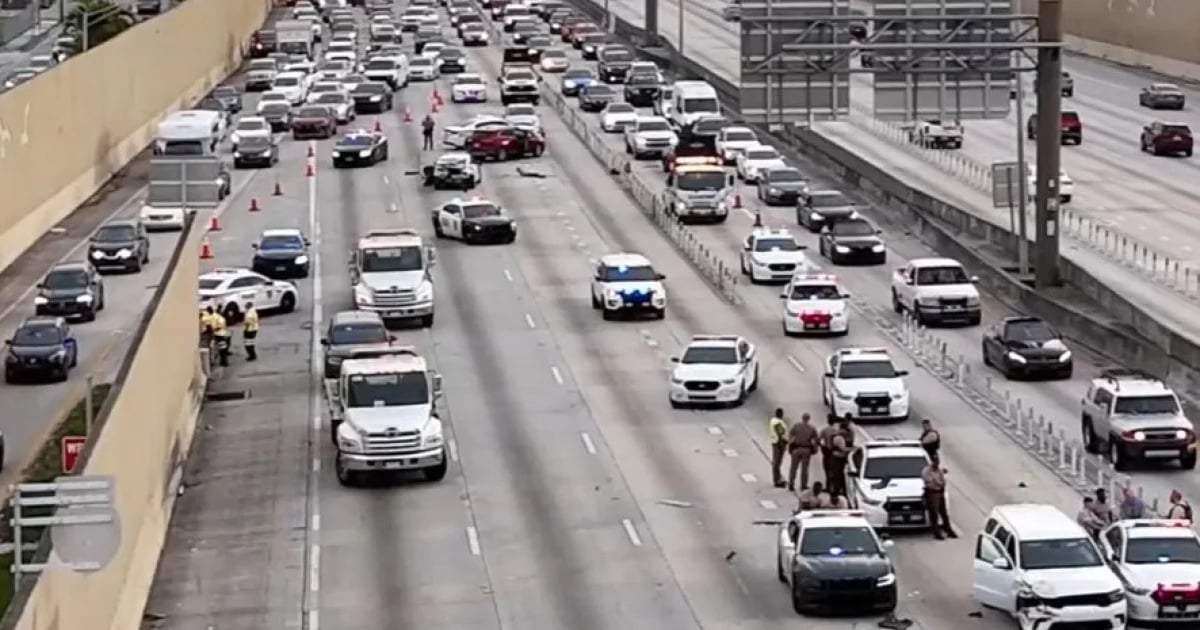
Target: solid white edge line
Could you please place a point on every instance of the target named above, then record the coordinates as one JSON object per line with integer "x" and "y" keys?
{"x": 452, "y": 446}
{"x": 795, "y": 364}
{"x": 312, "y": 603}
{"x": 588, "y": 444}
{"x": 508, "y": 275}
{"x": 768, "y": 504}
{"x": 529, "y": 321}
{"x": 314, "y": 568}
{"x": 631, "y": 532}
{"x": 314, "y": 620}
{"x": 316, "y": 465}
{"x": 729, "y": 452}
{"x": 316, "y": 522}
{"x": 558, "y": 377}
{"x": 749, "y": 477}
{"x": 473, "y": 540}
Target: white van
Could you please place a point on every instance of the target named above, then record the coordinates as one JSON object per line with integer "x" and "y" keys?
{"x": 691, "y": 100}
{"x": 1038, "y": 565}
{"x": 190, "y": 132}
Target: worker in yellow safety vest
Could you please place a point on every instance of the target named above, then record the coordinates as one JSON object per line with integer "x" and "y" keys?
{"x": 250, "y": 331}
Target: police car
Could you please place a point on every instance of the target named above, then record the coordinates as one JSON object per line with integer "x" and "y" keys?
{"x": 228, "y": 289}
{"x": 883, "y": 479}
{"x": 1158, "y": 561}
{"x": 772, "y": 255}
{"x": 864, "y": 384}
{"x": 474, "y": 220}
{"x": 627, "y": 284}
{"x": 469, "y": 88}
{"x": 815, "y": 304}
{"x": 714, "y": 369}
{"x": 831, "y": 560}
{"x": 360, "y": 147}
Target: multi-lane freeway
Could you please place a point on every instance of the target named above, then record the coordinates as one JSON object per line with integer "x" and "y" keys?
{"x": 576, "y": 498}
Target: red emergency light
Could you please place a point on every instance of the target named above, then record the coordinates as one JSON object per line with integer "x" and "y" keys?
{"x": 1176, "y": 594}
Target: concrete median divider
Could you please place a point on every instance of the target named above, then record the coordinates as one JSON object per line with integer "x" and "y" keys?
{"x": 141, "y": 439}
{"x": 66, "y": 133}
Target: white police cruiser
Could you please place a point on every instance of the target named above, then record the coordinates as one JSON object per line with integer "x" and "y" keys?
{"x": 1158, "y": 561}
{"x": 627, "y": 284}
{"x": 815, "y": 304}
{"x": 864, "y": 384}
{"x": 772, "y": 255}
{"x": 714, "y": 370}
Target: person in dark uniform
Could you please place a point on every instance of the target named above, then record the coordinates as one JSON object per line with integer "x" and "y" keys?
{"x": 839, "y": 453}
{"x": 931, "y": 440}
{"x": 934, "y": 477}
{"x": 802, "y": 444}
{"x": 427, "y": 126}
{"x": 824, "y": 442}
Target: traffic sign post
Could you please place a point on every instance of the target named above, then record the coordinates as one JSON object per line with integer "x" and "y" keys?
{"x": 72, "y": 448}
{"x": 1009, "y": 190}
{"x": 85, "y": 532}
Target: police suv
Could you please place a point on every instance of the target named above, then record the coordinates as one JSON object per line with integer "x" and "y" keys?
{"x": 627, "y": 284}
{"x": 815, "y": 303}
{"x": 714, "y": 370}
{"x": 883, "y": 479}
{"x": 1158, "y": 561}
{"x": 864, "y": 384}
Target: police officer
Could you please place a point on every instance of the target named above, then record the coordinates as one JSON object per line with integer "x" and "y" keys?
{"x": 840, "y": 445}
{"x": 931, "y": 440}
{"x": 207, "y": 326}
{"x": 824, "y": 442}
{"x": 934, "y": 477}
{"x": 250, "y": 331}
{"x": 220, "y": 334}
{"x": 802, "y": 444}
{"x": 427, "y": 126}
{"x": 777, "y": 431}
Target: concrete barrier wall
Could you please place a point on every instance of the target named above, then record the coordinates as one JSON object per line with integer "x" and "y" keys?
{"x": 143, "y": 434}
{"x": 1155, "y": 34}
{"x": 67, "y": 132}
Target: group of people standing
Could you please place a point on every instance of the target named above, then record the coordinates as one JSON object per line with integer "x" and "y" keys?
{"x": 1097, "y": 513}
{"x": 214, "y": 333}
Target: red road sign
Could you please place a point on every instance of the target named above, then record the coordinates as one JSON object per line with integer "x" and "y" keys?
{"x": 72, "y": 448}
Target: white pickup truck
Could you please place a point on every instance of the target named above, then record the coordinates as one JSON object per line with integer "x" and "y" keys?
{"x": 936, "y": 290}
{"x": 1066, "y": 185}
{"x": 937, "y": 134}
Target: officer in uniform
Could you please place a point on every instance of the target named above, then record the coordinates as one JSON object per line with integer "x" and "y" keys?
{"x": 220, "y": 333}
{"x": 931, "y": 440}
{"x": 934, "y": 477}
{"x": 250, "y": 331}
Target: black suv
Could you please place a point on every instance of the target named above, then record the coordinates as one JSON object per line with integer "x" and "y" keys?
{"x": 71, "y": 290}
{"x": 120, "y": 244}
{"x": 641, "y": 89}
{"x": 852, "y": 240}
{"x": 615, "y": 62}
{"x": 41, "y": 348}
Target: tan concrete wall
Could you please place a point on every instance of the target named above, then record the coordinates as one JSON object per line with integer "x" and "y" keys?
{"x": 68, "y": 131}
{"x": 1158, "y": 34}
{"x": 146, "y": 430}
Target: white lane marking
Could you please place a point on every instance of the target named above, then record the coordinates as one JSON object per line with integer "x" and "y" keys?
{"x": 316, "y": 465}
{"x": 393, "y": 208}
{"x": 796, "y": 364}
{"x": 715, "y": 430}
{"x": 588, "y": 445}
{"x": 314, "y": 568}
{"x": 558, "y": 377}
{"x": 570, "y": 228}
{"x": 768, "y": 504}
{"x": 746, "y": 211}
{"x": 729, "y": 452}
{"x": 473, "y": 541}
{"x": 452, "y": 446}
{"x": 529, "y": 320}
{"x": 631, "y": 532}
{"x": 386, "y": 180}
{"x": 749, "y": 477}
{"x": 508, "y": 275}
{"x": 316, "y": 522}
{"x": 314, "y": 620}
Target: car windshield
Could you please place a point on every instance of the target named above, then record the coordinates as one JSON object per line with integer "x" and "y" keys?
{"x": 208, "y": 284}
{"x": 701, "y": 105}
{"x": 1066, "y": 553}
{"x": 539, "y": 42}
{"x": 852, "y": 228}
{"x": 619, "y": 54}
{"x": 381, "y": 64}
{"x": 37, "y": 335}
{"x": 335, "y": 65}
{"x": 780, "y": 244}
{"x": 420, "y": 61}
{"x": 1182, "y": 130}
{"x": 642, "y": 78}
{"x": 480, "y": 210}
{"x": 225, "y": 92}
{"x": 519, "y": 75}
{"x": 554, "y": 54}
{"x": 762, "y": 154}
{"x": 451, "y": 53}
{"x": 941, "y": 275}
{"x": 468, "y": 79}
{"x": 641, "y": 273}
{"x": 331, "y": 98}
{"x": 620, "y": 108}
{"x": 1029, "y": 330}
{"x": 784, "y": 176}
{"x": 909, "y": 467}
{"x": 262, "y": 64}
{"x": 1147, "y": 405}
{"x": 838, "y": 541}
{"x": 281, "y": 242}
{"x": 740, "y": 136}
{"x": 725, "y": 355}
{"x": 387, "y": 390}
{"x": 521, "y": 110}
{"x": 592, "y": 38}
{"x": 251, "y": 125}
{"x": 653, "y": 125}
{"x": 355, "y": 141}
{"x": 392, "y": 259}
{"x": 115, "y": 234}
{"x": 829, "y": 200}
{"x": 274, "y": 109}
{"x": 701, "y": 180}
{"x": 867, "y": 369}
{"x": 358, "y": 333}
{"x": 66, "y": 279}
{"x": 601, "y": 91}
{"x": 577, "y": 74}
{"x": 815, "y": 292}
{"x": 313, "y": 112}
{"x": 326, "y": 88}
{"x": 287, "y": 82}
{"x": 1173, "y": 550}
{"x": 371, "y": 87}
{"x": 709, "y": 126}
{"x": 254, "y": 143}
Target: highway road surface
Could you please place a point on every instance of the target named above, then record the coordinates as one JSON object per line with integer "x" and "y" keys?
{"x": 577, "y": 498}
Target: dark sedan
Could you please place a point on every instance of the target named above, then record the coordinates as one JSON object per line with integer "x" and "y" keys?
{"x": 121, "y": 244}
{"x": 372, "y": 96}
{"x": 781, "y": 186}
{"x": 70, "y": 290}
{"x": 594, "y": 98}
{"x": 41, "y": 348}
{"x": 818, "y": 208}
{"x": 852, "y": 240}
{"x": 575, "y": 79}
{"x": 281, "y": 254}
{"x": 1027, "y": 347}
{"x": 256, "y": 152}
{"x": 278, "y": 115}
{"x": 453, "y": 60}
{"x": 230, "y": 97}
{"x": 590, "y": 44}
{"x": 314, "y": 121}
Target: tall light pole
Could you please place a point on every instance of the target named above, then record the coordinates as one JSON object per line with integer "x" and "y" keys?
{"x": 1022, "y": 179}
{"x": 679, "y": 30}
{"x": 1049, "y": 144}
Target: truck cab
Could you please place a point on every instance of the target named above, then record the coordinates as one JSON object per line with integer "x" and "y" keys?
{"x": 383, "y": 416}
{"x": 697, "y": 188}
{"x": 936, "y": 290}
{"x": 391, "y": 274}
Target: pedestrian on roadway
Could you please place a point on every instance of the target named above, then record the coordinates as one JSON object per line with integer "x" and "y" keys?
{"x": 1088, "y": 520}
{"x": 934, "y": 477}
{"x": 931, "y": 440}
{"x": 802, "y": 445}
{"x": 840, "y": 446}
{"x": 220, "y": 333}
{"x": 1132, "y": 506}
{"x": 1180, "y": 509}
{"x": 777, "y": 431}
{"x": 427, "y": 126}
{"x": 250, "y": 332}
{"x": 1102, "y": 509}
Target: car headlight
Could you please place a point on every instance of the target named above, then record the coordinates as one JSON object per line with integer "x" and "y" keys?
{"x": 124, "y": 253}
{"x": 927, "y": 301}
{"x": 364, "y": 153}
{"x": 1065, "y": 356}
{"x": 476, "y": 227}
{"x": 337, "y": 153}
{"x": 675, "y": 380}
{"x": 728, "y": 381}
{"x": 376, "y": 99}
{"x": 841, "y": 249}
{"x": 790, "y": 313}
{"x": 613, "y": 296}
{"x": 973, "y": 300}
{"x": 301, "y": 260}
{"x": 1016, "y": 358}
{"x": 425, "y": 291}
{"x": 237, "y": 154}
{"x": 774, "y": 191}
{"x": 348, "y": 440}
{"x": 1181, "y": 435}
{"x": 363, "y": 295}
{"x": 86, "y": 298}
{"x": 589, "y": 48}
{"x": 40, "y": 300}
{"x": 877, "y": 248}
{"x": 568, "y": 83}
{"x": 59, "y": 355}
{"x": 97, "y": 254}
{"x": 816, "y": 216}
{"x": 1138, "y": 590}
{"x": 432, "y": 435}
{"x": 886, "y": 580}
{"x": 900, "y": 395}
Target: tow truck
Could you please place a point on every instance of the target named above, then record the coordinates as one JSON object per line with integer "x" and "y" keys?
{"x": 697, "y": 188}
{"x": 383, "y": 417}
{"x": 390, "y": 273}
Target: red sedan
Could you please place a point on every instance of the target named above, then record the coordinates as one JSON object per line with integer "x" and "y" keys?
{"x": 506, "y": 144}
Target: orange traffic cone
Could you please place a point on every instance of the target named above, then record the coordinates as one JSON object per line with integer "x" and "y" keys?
{"x": 407, "y": 114}
{"x": 206, "y": 251}
{"x": 278, "y": 192}
{"x": 378, "y": 127}
{"x": 737, "y": 200}
{"x": 214, "y": 223}
{"x": 437, "y": 96}
{"x": 758, "y": 219}
{"x": 254, "y": 204}
{"x": 308, "y": 170}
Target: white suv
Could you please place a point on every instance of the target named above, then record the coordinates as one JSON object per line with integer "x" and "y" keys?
{"x": 883, "y": 480}
{"x": 714, "y": 369}
{"x": 1159, "y": 563}
{"x": 649, "y": 136}
{"x": 1131, "y": 415}
{"x": 864, "y": 384}
{"x": 627, "y": 284}
{"x": 770, "y": 255}
{"x": 815, "y": 304}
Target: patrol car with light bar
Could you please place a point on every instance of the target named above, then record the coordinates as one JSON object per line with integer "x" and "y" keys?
{"x": 474, "y": 220}
{"x": 772, "y": 255}
{"x": 865, "y": 385}
{"x": 815, "y": 303}
{"x": 714, "y": 370}
{"x": 833, "y": 561}
{"x": 884, "y": 481}
{"x": 1158, "y": 562}
{"x": 627, "y": 285}
{"x": 697, "y": 188}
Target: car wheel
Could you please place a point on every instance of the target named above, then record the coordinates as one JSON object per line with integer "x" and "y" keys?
{"x": 596, "y": 305}
{"x": 1091, "y": 443}
{"x": 1186, "y": 462}
{"x": 427, "y": 321}
{"x": 754, "y": 381}
{"x": 231, "y": 313}
{"x": 345, "y": 477}
{"x": 608, "y": 315}
{"x": 437, "y": 473}
{"x": 287, "y": 303}
{"x": 502, "y": 156}
{"x": 89, "y": 316}
{"x": 897, "y": 307}
{"x": 1116, "y": 455}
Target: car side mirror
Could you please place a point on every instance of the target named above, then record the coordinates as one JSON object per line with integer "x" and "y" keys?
{"x": 8, "y": 342}
{"x": 674, "y": 359}
{"x": 437, "y": 384}
{"x": 253, "y": 245}
{"x": 307, "y": 243}
{"x": 39, "y": 285}
{"x": 889, "y": 543}
{"x": 324, "y": 341}
{"x": 432, "y": 254}
{"x": 1001, "y": 564}
{"x": 661, "y": 276}
{"x": 845, "y": 296}
{"x": 878, "y": 232}
{"x": 901, "y": 372}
